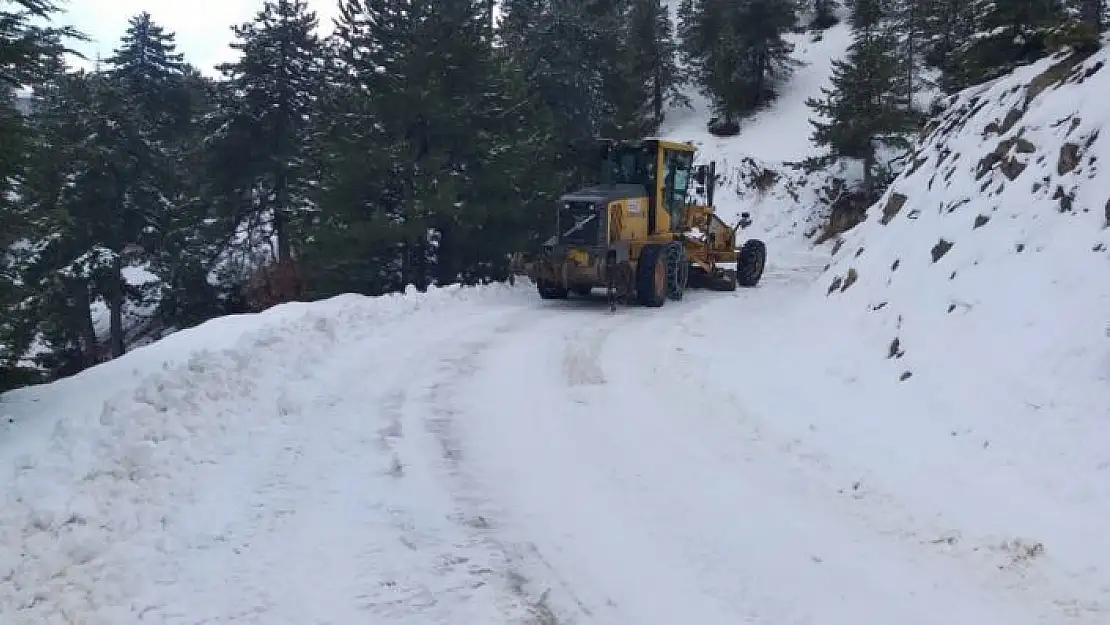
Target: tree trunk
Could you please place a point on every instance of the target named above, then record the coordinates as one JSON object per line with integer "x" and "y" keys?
{"x": 657, "y": 98}
{"x": 82, "y": 321}
{"x": 1091, "y": 13}
{"x": 115, "y": 305}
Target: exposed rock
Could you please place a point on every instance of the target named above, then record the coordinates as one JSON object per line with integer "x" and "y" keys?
{"x": 1011, "y": 118}
{"x": 893, "y": 204}
{"x": 1012, "y": 168}
{"x": 895, "y": 350}
{"x": 986, "y": 164}
{"x": 1069, "y": 158}
{"x": 916, "y": 164}
{"x": 980, "y": 221}
{"x": 850, "y": 279}
{"x": 1091, "y": 140}
{"x": 1107, "y": 224}
{"x": 834, "y": 286}
{"x": 940, "y": 249}
{"x": 1054, "y": 74}
{"x": 848, "y": 211}
{"x": 1024, "y": 146}
{"x": 1067, "y": 200}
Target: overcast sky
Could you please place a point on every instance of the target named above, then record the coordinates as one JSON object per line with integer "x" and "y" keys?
{"x": 203, "y": 27}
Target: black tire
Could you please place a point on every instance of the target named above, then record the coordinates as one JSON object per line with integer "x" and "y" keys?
{"x": 551, "y": 291}
{"x": 750, "y": 262}
{"x": 651, "y": 276}
{"x": 583, "y": 291}
{"x": 678, "y": 270}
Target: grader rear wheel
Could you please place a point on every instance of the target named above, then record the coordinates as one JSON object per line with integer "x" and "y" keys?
{"x": 651, "y": 277}
{"x": 550, "y": 290}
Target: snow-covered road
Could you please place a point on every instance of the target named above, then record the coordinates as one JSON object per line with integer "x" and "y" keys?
{"x": 481, "y": 457}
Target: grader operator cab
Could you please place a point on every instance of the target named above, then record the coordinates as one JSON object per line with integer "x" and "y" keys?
{"x": 636, "y": 236}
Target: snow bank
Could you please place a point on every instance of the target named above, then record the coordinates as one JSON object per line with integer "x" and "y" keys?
{"x": 956, "y": 347}
{"x": 985, "y": 254}
{"x": 128, "y": 435}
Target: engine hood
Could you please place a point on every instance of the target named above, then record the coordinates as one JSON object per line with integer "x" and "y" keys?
{"x": 605, "y": 193}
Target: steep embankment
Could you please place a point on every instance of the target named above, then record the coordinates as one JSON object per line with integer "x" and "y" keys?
{"x": 954, "y": 356}
{"x": 982, "y": 269}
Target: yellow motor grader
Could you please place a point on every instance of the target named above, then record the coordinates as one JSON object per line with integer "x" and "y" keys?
{"x": 636, "y": 235}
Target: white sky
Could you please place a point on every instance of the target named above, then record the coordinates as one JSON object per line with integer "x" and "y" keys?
{"x": 203, "y": 27}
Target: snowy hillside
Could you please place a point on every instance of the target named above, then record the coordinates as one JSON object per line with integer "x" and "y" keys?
{"x": 957, "y": 348}
{"x": 758, "y": 167}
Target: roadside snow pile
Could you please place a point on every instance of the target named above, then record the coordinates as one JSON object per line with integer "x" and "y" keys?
{"x": 130, "y": 436}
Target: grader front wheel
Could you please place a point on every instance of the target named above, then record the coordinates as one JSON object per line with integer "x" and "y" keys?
{"x": 678, "y": 270}
{"x": 750, "y": 262}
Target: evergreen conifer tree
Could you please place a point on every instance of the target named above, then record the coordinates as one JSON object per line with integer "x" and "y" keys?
{"x": 865, "y": 104}
{"x": 264, "y": 143}
{"x": 653, "y": 61}
{"x": 737, "y": 51}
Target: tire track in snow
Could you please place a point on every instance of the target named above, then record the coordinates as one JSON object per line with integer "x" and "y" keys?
{"x": 524, "y": 603}
{"x": 351, "y": 521}
{"x": 644, "y": 510}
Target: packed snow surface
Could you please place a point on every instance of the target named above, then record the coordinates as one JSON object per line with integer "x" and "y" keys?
{"x": 480, "y": 456}
{"x": 767, "y": 456}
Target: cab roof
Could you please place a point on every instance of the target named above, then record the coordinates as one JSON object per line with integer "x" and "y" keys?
{"x": 678, "y": 146}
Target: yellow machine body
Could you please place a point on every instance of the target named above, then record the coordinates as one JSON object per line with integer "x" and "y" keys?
{"x": 636, "y": 234}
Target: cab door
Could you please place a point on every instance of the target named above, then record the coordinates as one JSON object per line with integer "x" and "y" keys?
{"x": 673, "y": 185}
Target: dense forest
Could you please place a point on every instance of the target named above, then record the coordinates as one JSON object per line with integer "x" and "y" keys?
{"x": 416, "y": 143}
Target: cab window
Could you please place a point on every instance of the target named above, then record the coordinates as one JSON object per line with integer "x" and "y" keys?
{"x": 677, "y": 167}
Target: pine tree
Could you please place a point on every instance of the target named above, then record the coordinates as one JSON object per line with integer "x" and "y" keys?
{"x": 1092, "y": 14}
{"x": 148, "y": 68}
{"x": 1007, "y": 33}
{"x": 946, "y": 26}
{"x": 577, "y": 55}
{"x": 865, "y": 104}
{"x": 277, "y": 80}
{"x": 824, "y": 15}
{"x": 30, "y": 54}
{"x": 738, "y": 52}
{"x": 420, "y": 98}
{"x": 653, "y": 62}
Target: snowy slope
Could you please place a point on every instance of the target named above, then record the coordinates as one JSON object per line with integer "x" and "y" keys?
{"x": 973, "y": 385}
{"x": 756, "y": 169}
